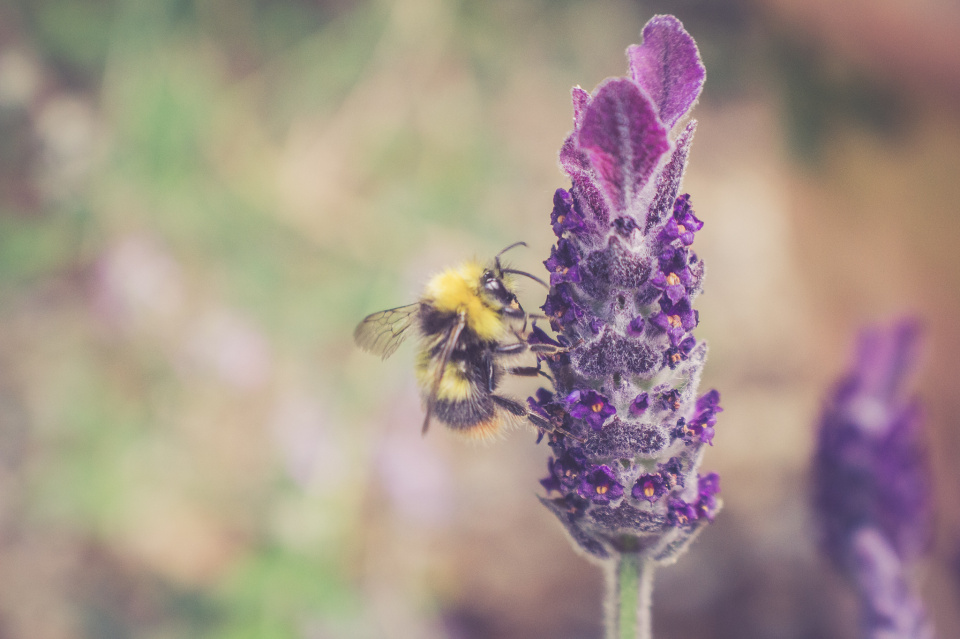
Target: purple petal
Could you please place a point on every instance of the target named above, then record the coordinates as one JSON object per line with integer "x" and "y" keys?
{"x": 573, "y": 159}
{"x": 708, "y": 485}
{"x": 640, "y": 404}
{"x": 585, "y": 189}
{"x": 676, "y": 292}
{"x": 886, "y": 358}
{"x": 623, "y": 139}
{"x": 891, "y": 606}
{"x": 668, "y": 183}
{"x": 667, "y": 65}
{"x": 581, "y": 99}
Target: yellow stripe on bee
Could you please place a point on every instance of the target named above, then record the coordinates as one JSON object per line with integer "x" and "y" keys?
{"x": 484, "y": 431}
{"x": 458, "y": 290}
{"x": 453, "y": 385}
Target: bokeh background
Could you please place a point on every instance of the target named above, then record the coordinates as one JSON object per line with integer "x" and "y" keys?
{"x": 200, "y": 198}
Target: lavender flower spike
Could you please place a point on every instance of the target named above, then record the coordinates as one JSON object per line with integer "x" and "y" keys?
{"x": 871, "y": 484}
{"x": 630, "y": 430}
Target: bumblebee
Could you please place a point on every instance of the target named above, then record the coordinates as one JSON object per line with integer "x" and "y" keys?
{"x": 471, "y": 327}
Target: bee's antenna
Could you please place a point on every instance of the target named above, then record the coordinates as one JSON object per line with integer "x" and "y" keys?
{"x": 496, "y": 259}
{"x": 525, "y": 274}
{"x": 514, "y": 245}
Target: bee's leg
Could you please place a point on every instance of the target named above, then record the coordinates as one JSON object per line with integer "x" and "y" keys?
{"x": 511, "y": 405}
{"x": 520, "y": 308}
{"x": 546, "y": 349}
{"x": 520, "y": 410}
{"x": 514, "y": 312}
{"x": 542, "y": 425}
{"x": 511, "y": 349}
{"x": 528, "y": 371}
{"x": 489, "y": 372}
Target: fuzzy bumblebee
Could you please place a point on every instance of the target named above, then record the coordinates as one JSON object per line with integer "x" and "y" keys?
{"x": 472, "y": 329}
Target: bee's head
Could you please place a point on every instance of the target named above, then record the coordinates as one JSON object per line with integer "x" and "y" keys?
{"x": 496, "y": 285}
{"x": 498, "y": 292}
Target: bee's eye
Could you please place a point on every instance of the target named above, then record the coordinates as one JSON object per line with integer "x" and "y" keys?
{"x": 493, "y": 285}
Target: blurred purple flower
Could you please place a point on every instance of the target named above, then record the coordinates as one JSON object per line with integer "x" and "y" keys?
{"x": 311, "y": 455}
{"x": 623, "y": 281}
{"x": 226, "y": 344}
{"x": 138, "y": 284}
{"x": 412, "y": 473}
{"x": 890, "y": 605}
{"x": 871, "y": 481}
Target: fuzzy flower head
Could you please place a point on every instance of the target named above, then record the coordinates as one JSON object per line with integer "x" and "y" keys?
{"x": 871, "y": 482}
{"x": 630, "y": 429}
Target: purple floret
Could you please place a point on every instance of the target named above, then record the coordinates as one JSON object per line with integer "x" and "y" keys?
{"x": 564, "y": 263}
{"x": 561, "y": 307}
{"x": 674, "y": 284}
{"x": 539, "y": 336}
{"x": 565, "y": 471}
{"x": 542, "y": 402}
{"x": 705, "y": 417}
{"x": 600, "y": 486}
{"x": 684, "y": 216}
{"x": 677, "y": 319}
{"x": 565, "y": 216}
{"x": 649, "y": 487}
{"x": 673, "y": 260}
{"x": 672, "y": 472}
{"x": 679, "y": 353}
{"x": 591, "y": 407}
{"x": 682, "y": 514}
{"x": 682, "y": 225}
{"x": 708, "y": 487}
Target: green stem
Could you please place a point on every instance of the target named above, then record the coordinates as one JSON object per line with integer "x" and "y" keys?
{"x": 629, "y": 598}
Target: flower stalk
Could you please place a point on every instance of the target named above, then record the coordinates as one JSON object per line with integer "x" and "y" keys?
{"x": 630, "y": 598}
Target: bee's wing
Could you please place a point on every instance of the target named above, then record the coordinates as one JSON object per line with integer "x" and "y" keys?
{"x": 448, "y": 347}
{"x": 381, "y": 333}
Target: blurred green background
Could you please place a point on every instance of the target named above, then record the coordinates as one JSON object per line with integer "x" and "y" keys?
{"x": 200, "y": 198}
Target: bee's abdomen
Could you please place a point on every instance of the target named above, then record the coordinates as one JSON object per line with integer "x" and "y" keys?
{"x": 464, "y": 414}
